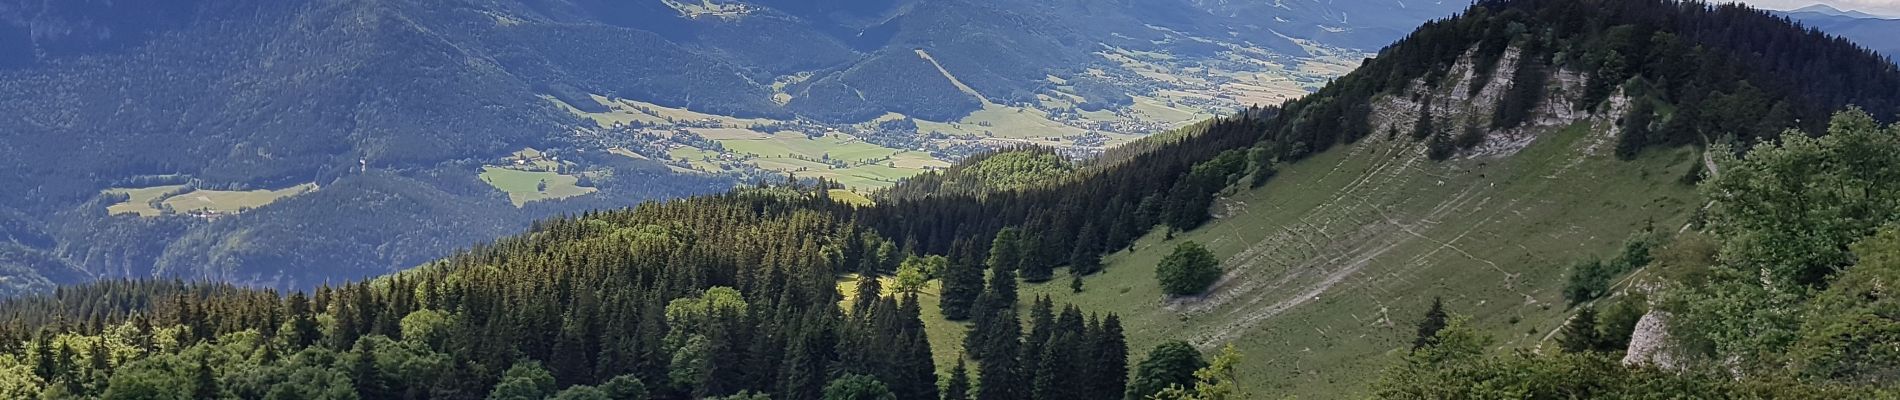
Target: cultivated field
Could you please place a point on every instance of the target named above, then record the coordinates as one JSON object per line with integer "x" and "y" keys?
{"x": 140, "y": 202}
{"x": 226, "y": 201}
{"x": 526, "y": 186}
{"x": 210, "y": 202}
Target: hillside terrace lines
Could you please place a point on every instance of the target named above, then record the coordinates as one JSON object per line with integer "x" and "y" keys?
{"x": 1247, "y": 321}
{"x": 1358, "y": 226}
{"x": 1324, "y": 235}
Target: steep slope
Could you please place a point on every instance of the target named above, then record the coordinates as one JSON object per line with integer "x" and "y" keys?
{"x": 1330, "y": 262}
{"x": 1538, "y": 165}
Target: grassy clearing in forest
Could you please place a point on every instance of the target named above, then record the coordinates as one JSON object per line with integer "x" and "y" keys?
{"x": 946, "y": 337}
{"x": 526, "y": 186}
{"x": 140, "y": 200}
{"x": 849, "y": 197}
{"x": 230, "y": 201}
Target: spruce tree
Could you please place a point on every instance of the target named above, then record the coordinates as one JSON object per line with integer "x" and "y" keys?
{"x": 303, "y": 330}
{"x": 998, "y": 297}
{"x": 1042, "y": 327}
{"x": 1054, "y": 369}
{"x": 958, "y": 388}
{"x": 962, "y": 283}
{"x": 1002, "y": 289}
{"x": 1086, "y": 257}
{"x": 1423, "y": 128}
{"x": 363, "y": 373}
{"x": 577, "y": 344}
{"x": 1001, "y": 373}
{"x": 915, "y": 369}
{"x": 98, "y": 358}
{"x": 44, "y": 365}
{"x": 977, "y": 340}
{"x": 1635, "y": 132}
{"x": 204, "y": 383}
{"x": 1110, "y": 360}
{"x": 1580, "y": 332}
{"x": 1435, "y": 320}
{"x": 1033, "y": 261}
{"x": 1005, "y": 250}
{"x": 64, "y": 364}
{"x": 869, "y": 290}
{"x": 809, "y": 360}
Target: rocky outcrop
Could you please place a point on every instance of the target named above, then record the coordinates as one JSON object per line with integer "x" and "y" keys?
{"x": 1649, "y": 343}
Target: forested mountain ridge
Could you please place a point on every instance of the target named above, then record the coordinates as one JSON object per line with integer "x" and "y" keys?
{"x": 735, "y": 293}
{"x": 201, "y": 109}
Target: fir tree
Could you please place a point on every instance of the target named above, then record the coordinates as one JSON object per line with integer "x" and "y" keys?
{"x": 869, "y": 290}
{"x": 1086, "y": 256}
{"x": 1435, "y": 320}
{"x": 364, "y": 374}
{"x": 1005, "y": 250}
{"x": 98, "y": 358}
{"x": 958, "y": 388}
{"x": 1109, "y": 361}
{"x": 204, "y": 383}
{"x": 1042, "y": 327}
{"x": 914, "y": 369}
{"x": 1423, "y": 128}
{"x": 1033, "y": 262}
{"x": 1002, "y": 289}
{"x": 1635, "y": 132}
{"x": 1580, "y": 332}
{"x": 44, "y": 365}
{"x": 962, "y": 283}
{"x": 303, "y": 328}
{"x": 1001, "y": 374}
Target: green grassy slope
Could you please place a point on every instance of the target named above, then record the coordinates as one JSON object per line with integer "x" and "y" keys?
{"x": 1331, "y": 262}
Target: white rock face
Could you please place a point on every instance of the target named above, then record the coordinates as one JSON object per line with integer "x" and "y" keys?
{"x": 1454, "y": 106}
{"x": 1649, "y": 343}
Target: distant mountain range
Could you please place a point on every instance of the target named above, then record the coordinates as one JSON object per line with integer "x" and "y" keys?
{"x": 1827, "y": 10}
{"x": 286, "y": 143}
{"x": 1877, "y": 33}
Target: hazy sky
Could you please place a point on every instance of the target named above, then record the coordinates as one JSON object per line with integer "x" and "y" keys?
{"x": 1882, "y": 7}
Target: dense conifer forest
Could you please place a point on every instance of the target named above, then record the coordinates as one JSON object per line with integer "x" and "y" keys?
{"x": 735, "y": 295}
